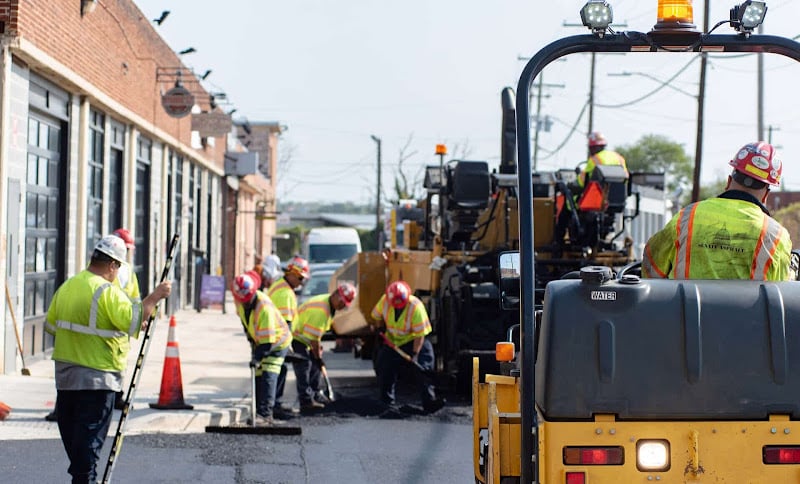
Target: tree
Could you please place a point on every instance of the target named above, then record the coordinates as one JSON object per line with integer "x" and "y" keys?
{"x": 656, "y": 153}
{"x": 402, "y": 189}
{"x": 712, "y": 190}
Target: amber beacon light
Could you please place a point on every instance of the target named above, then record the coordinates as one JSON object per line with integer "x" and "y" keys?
{"x": 675, "y": 15}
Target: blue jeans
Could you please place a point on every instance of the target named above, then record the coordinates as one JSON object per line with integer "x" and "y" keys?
{"x": 84, "y": 417}
{"x": 267, "y": 372}
{"x": 307, "y": 372}
{"x": 388, "y": 364}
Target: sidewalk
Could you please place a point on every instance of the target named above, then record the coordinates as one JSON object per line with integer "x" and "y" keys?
{"x": 214, "y": 356}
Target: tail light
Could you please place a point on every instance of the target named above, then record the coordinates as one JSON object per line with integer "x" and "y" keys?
{"x": 594, "y": 456}
{"x": 783, "y": 454}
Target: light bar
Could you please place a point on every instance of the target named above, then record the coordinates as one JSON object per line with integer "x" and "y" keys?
{"x": 747, "y": 16}
{"x": 597, "y": 15}
{"x": 593, "y": 456}
{"x": 784, "y": 454}
{"x": 652, "y": 455}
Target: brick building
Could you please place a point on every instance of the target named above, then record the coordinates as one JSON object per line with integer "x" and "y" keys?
{"x": 86, "y": 147}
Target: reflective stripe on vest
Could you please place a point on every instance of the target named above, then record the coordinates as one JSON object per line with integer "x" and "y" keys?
{"x": 393, "y": 329}
{"x": 279, "y": 327}
{"x": 91, "y": 329}
{"x": 765, "y": 249}
{"x": 683, "y": 241}
{"x": 308, "y": 332}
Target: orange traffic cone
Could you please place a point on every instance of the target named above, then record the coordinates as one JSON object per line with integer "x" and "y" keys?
{"x": 171, "y": 396}
{"x": 4, "y": 411}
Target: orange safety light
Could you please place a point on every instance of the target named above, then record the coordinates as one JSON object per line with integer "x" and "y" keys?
{"x": 441, "y": 149}
{"x": 504, "y": 351}
{"x": 592, "y": 198}
{"x": 675, "y": 11}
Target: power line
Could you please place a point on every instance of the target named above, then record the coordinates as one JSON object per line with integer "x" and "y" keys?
{"x": 659, "y": 88}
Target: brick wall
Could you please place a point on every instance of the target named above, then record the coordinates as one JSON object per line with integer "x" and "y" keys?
{"x": 115, "y": 48}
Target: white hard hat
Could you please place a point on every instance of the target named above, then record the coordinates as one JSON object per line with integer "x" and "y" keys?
{"x": 272, "y": 266}
{"x": 112, "y": 246}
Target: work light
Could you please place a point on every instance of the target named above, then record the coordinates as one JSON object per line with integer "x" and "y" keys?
{"x": 749, "y": 15}
{"x": 597, "y": 15}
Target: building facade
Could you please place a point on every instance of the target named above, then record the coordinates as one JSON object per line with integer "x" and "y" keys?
{"x": 87, "y": 147}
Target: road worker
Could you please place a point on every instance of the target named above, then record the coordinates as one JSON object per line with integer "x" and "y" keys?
{"x": 599, "y": 155}
{"x": 314, "y": 318}
{"x": 127, "y": 280}
{"x": 282, "y": 293}
{"x": 271, "y": 270}
{"x": 731, "y": 236}
{"x": 406, "y": 322}
{"x": 92, "y": 319}
{"x": 270, "y": 338}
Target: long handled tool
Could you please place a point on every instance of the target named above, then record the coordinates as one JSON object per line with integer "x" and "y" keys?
{"x": 406, "y": 356}
{"x": 328, "y": 388}
{"x": 137, "y": 370}
{"x": 25, "y": 370}
{"x": 292, "y": 357}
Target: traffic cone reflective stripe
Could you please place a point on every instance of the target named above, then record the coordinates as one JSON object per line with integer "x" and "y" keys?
{"x": 171, "y": 395}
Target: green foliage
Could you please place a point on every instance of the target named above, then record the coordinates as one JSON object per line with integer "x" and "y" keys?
{"x": 656, "y": 153}
{"x": 789, "y": 217}
{"x": 286, "y": 248}
{"x": 713, "y": 189}
{"x": 325, "y": 207}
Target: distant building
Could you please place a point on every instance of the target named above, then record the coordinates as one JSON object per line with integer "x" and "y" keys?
{"x": 308, "y": 220}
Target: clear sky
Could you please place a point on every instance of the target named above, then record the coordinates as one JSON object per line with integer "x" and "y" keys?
{"x": 420, "y": 72}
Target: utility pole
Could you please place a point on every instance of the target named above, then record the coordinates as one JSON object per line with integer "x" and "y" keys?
{"x": 770, "y": 130}
{"x": 591, "y": 93}
{"x": 378, "y": 196}
{"x": 539, "y": 117}
{"x": 701, "y": 98}
{"x": 760, "y": 89}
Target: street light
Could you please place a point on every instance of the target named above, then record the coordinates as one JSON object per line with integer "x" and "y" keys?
{"x": 644, "y": 74}
{"x": 378, "y": 197}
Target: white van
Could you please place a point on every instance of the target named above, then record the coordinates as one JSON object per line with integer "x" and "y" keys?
{"x": 331, "y": 244}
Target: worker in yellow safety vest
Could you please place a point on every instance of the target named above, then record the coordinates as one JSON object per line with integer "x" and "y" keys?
{"x": 406, "y": 322}
{"x": 92, "y": 319}
{"x": 270, "y": 338}
{"x": 314, "y": 318}
{"x": 599, "y": 155}
{"x": 282, "y": 293}
{"x": 127, "y": 281}
{"x": 731, "y": 236}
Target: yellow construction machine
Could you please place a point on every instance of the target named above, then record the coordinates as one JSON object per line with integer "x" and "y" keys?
{"x": 621, "y": 379}
{"x": 446, "y": 247}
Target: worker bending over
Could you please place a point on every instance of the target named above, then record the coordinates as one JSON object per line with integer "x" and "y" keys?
{"x": 407, "y": 324}
{"x": 269, "y": 336}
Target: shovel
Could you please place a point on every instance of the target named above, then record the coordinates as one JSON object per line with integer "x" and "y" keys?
{"x": 25, "y": 370}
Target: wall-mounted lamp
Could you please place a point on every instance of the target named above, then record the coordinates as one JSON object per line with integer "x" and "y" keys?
{"x": 88, "y": 6}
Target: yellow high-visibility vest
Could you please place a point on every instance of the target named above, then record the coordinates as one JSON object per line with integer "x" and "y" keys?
{"x": 265, "y": 323}
{"x": 406, "y": 325}
{"x": 92, "y": 320}
{"x": 719, "y": 238}
{"x": 313, "y": 319}
{"x": 284, "y": 298}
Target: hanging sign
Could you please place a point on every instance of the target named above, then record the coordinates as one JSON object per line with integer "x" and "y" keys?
{"x": 177, "y": 102}
{"x": 214, "y": 124}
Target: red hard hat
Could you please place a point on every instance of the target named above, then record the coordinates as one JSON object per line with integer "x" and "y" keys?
{"x": 397, "y": 294}
{"x": 299, "y": 267}
{"x": 597, "y": 139}
{"x": 125, "y": 235}
{"x": 347, "y": 292}
{"x": 255, "y": 276}
{"x": 758, "y": 161}
{"x": 243, "y": 288}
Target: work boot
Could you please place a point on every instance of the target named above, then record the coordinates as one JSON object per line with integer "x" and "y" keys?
{"x": 52, "y": 416}
{"x": 433, "y": 406}
{"x": 311, "y": 406}
{"x": 264, "y": 421}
